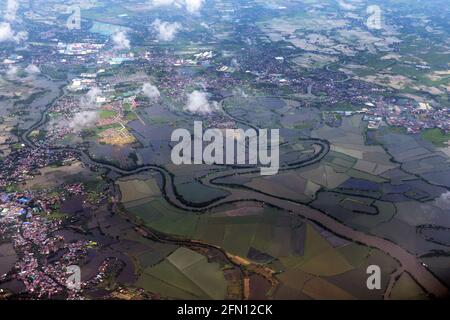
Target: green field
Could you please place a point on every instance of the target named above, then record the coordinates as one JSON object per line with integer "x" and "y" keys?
{"x": 436, "y": 137}
{"x": 104, "y": 114}
{"x": 161, "y": 216}
{"x": 185, "y": 274}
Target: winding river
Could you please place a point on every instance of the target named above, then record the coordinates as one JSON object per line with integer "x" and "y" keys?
{"x": 408, "y": 261}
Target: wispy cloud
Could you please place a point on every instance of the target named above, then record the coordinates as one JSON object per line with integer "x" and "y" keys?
{"x": 198, "y": 103}
{"x": 443, "y": 201}
{"x": 161, "y": 3}
{"x": 12, "y": 72}
{"x": 7, "y": 34}
{"x": 120, "y": 40}
{"x": 192, "y": 6}
{"x": 88, "y": 115}
{"x": 89, "y": 99}
{"x": 83, "y": 120}
{"x": 150, "y": 91}
{"x": 345, "y": 5}
{"x": 12, "y": 6}
{"x": 32, "y": 69}
{"x": 166, "y": 31}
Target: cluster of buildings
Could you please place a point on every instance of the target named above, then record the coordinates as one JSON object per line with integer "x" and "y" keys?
{"x": 109, "y": 266}
{"x": 24, "y": 224}
{"x": 105, "y": 110}
{"x": 22, "y": 164}
{"x": 12, "y": 59}
{"x": 85, "y": 81}
{"x": 417, "y": 120}
{"x": 373, "y": 122}
{"x": 113, "y": 58}
{"x": 78, "y": 49}
{"x": 412, "y": 116}
{"x": 89, "y": 52}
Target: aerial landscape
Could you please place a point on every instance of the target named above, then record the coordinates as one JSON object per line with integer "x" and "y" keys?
{"x": 224, "y": 149}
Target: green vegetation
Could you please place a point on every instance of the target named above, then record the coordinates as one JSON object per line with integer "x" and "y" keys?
{"x": 196, "y": 192}
{"x": 436, "y": 136}
{"x": 407, "y": 288}
{"x": 104, "y": 114}
{"x": 127, "y": 107}
{"x": 341, "y": 106}
{"x": 303, "y": 126}
{"x": 185, "y": 274}
{"x": 159, "y": 215}
{"x": 56, "y": 215}
{"x": 130, "y": 116}
{"x": 95, "y": 185}
{"x": 12, "y": 188}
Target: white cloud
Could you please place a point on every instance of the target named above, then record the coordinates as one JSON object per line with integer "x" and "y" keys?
{"x": 161, "y": 3}
{"x": 88, "y": 116}
{"x": 346, "y": 6}
{"x": 240, "y": 93}
{"x": 83, "y": 119}
{"x": 7, "y": 34}
{"x": 150, "y": 91}
{"x": 120, "y": 40}
{"x": 166, "y": 31}
{"x": 193, "y": 6}
{"x": 11, "y": 10}
{"x": 198, "y": 103}
{"x": 32, "y": 69}
{"x": 12, "y": 72}
{"x": 89, "y": 100}
{"x": 443, "y": 201}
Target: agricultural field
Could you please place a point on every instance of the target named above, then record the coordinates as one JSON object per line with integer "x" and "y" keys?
{"x": 185, "y": 274}
{"x": 111, "y": 157}
{"x": 136, "y": 189}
